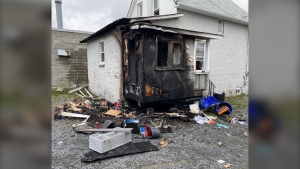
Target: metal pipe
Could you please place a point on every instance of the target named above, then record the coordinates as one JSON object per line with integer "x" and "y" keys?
{"x": 59, "y": 19}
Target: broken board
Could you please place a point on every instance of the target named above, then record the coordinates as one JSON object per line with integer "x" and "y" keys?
{"x": 127, "y": 149}
{"x": 74, "y": 115}
{"x": 113, "y": 112}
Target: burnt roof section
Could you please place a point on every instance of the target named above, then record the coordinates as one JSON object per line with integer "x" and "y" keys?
{"x": 106, "y": 28}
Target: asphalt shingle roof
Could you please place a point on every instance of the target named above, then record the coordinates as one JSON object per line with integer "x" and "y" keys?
{"x": 225, "y": 8}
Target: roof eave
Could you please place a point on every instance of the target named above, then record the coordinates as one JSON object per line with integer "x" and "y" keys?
{"x": 155, "y": 18}
{"x": 176, "y": 30}
{"x": 188, "y": 8}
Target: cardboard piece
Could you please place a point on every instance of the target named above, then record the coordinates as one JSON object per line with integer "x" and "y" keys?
{"x": 113, "y": 112}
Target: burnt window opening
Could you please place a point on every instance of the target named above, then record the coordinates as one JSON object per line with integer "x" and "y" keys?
{"x": 170, "y": 54}
{"x": 177, "y": 54}
{"x": 162, "y": 54}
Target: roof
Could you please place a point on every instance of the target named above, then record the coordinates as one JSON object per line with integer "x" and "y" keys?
{"x": 106, "y": 28}
{"x": 222, "y": 8}
{"x": 157, "y": 17}
{"x": 71, "y": 31}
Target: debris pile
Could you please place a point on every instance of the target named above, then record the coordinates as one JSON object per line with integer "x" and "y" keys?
{"x": 120, "y": 120}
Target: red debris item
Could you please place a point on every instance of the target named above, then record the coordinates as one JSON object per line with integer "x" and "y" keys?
{"x": 211, "y": 122}
{"x": 97, "y": 125}
{"x": 147, "y": 131}
{"x": 117, "y": 104}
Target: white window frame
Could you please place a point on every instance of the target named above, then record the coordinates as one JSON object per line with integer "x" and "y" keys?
{"x": 222, "y": 27}
{"x": 101, "y": 60}
{"x": 140, "y": 9}
{"x": 155, "y": 9}
{"x": 205, "y": 69}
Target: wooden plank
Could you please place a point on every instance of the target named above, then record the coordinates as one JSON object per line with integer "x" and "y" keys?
{"x": 79, "y": 88}
{"x": 87, "y": 91}
{"x": 82, "y": 93}
{"x": 74, "y": 115}
{"x": 79, "y": 95}
{"x": 113, "y": 112}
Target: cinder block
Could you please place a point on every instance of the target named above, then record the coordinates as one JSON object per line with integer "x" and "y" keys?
{"x": 106, "y": 142}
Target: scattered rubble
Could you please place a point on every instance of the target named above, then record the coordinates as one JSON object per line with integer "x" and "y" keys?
{"x": 119, "y": 118}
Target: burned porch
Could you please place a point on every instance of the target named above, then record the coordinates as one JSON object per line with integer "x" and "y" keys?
{"x": 148, "y": 63}
{"x": 159, "y": 64}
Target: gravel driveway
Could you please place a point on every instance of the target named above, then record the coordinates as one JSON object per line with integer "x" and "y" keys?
{"x": 193, "y": 146}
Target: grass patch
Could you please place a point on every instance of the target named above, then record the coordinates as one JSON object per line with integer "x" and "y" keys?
{"x": 64, "y": 94}
{"x": 238, "y": 102}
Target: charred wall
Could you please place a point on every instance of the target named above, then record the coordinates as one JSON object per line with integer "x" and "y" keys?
{"x": 147, "y": 77}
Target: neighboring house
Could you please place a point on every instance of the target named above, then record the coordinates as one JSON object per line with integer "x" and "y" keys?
{"x": 227, "y": 64}
{"x": 133, "y": 58}
{"x": 69, "y": 57}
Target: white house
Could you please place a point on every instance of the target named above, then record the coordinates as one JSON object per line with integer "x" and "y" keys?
{"x": 227, "y": 63}
{"x": 170, "y": 50}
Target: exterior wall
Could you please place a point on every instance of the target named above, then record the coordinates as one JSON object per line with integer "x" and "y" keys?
{"x": 166, "y": 7}
{"x": 144, "y": 10}
{"x": 192, "y": 21}
{"x": 106, "y": 81}
{"x": 67, "y": 71}
{"x": 229, "y": 59}
{"x": 228, "y": 56}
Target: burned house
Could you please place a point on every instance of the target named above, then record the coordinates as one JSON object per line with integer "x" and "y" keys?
{"x": 228, "y": 58}
{"x": 136, "y": 59}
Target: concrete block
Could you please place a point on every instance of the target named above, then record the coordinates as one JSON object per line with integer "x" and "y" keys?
{"x": 106, "y": 142}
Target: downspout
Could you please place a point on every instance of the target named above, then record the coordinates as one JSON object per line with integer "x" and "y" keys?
{"x": 245, "y": 77}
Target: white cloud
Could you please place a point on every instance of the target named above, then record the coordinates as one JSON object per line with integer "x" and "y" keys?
{"x": 90, "y": 15}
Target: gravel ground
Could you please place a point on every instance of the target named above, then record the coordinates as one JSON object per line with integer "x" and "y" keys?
{"x": 193, "y": 146}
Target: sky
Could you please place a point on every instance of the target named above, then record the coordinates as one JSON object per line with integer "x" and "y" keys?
{"x": 92, "y": 15}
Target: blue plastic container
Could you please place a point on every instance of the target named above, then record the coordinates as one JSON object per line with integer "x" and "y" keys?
{"x": 208, "y": 101}
{"x": 224, "y": 104}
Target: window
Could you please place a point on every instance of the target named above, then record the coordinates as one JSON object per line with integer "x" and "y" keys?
{"x": 162, "y": 54}
{"x": 140, "y": 9}
{"x": 177, "y": 54}
{"x": 221, "y": 27}
{"x": 170, "y": 54}
{"x": 200, "y": 55}
{"x": 156, "y": 7}
{"x": 101, "y": 53}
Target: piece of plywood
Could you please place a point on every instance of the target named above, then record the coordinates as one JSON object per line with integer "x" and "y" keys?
{"x": 113, "y": 112}
{"x": 67, "y": 114}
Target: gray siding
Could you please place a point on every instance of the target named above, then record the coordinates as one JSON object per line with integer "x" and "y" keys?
{"x": 228, "y": 59}
{"x": 192, "y": 21}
